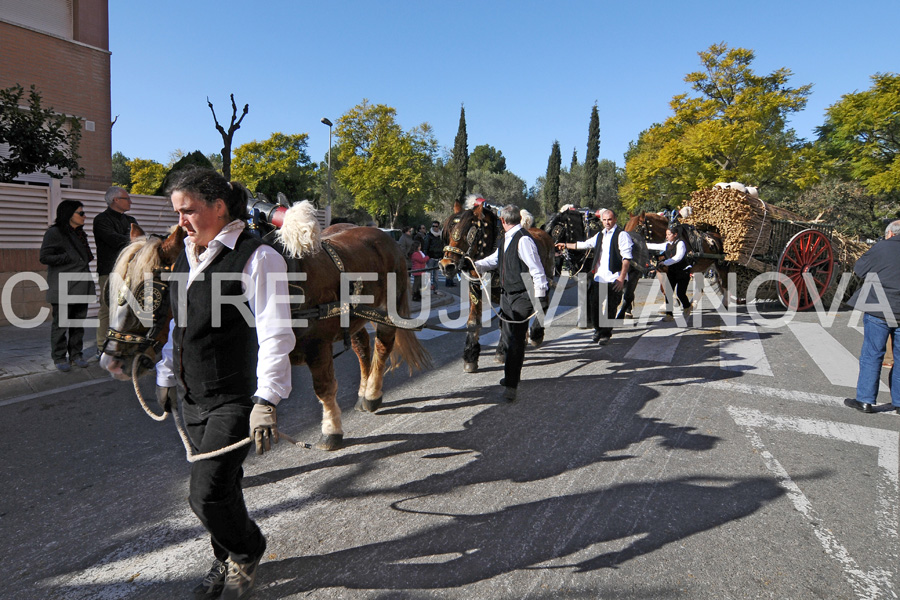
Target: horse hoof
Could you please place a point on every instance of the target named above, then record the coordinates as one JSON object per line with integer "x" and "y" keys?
{"x": 536, "y": 343}
{"x": 470, "y": 367}
{"x": 365, "y": 405}
{"x": 500, "y": 359}
{"x": 334, "y": 441}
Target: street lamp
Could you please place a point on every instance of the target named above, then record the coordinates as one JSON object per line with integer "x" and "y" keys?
{"x": 327, "y": 122}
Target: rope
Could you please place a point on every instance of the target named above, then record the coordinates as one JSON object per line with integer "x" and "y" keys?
{"x": 759, "y": 235}
{"x": 491, "y": 306}
{"x": 176, "y": 415}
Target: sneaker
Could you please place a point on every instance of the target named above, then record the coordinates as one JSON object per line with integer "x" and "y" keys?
{"x": 63, "y": 366}
{"x": 687, "y": 311}
{"x": 212, "y": 584}
{"x": 668, "y": 318}
{"x": 80, "y": 362}
{"x": 239, "y": 580}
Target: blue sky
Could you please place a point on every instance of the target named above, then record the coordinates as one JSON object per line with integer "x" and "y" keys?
{"x": 527, "y": 72}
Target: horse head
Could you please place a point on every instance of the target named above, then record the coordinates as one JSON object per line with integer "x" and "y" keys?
{"x": 139, "y": 308}
{"x": 468, "y": 234}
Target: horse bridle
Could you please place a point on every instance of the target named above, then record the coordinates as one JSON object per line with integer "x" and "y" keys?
{"x": 159, "y": 296}
{"x": 476, "y": 237}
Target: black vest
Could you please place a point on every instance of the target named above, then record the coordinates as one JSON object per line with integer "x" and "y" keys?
{"x": 615, "y": 256}
{"x": 682, "y": 264}
{"x": 511, "y": 266}
{"x": 215, "y": 362}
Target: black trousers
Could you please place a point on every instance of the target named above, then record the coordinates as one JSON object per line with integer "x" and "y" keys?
{"x": 67, "y": 340}
{"x": 613, "y": 298}
{"x": 514, "y": 307}
{"x": 216, "y": 496}
{"x": 679, "y": 280}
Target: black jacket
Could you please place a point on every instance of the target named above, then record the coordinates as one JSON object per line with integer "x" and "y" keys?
{"x": 112, "y": 232}
{"x": 883, "y": 260}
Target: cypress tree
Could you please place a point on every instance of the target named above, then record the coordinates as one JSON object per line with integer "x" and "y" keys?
{"x": 574, "y": 159}
{"x": 592, "y": 160}
{"x": 461, "y": 157}
{"x": 551, "y": 187}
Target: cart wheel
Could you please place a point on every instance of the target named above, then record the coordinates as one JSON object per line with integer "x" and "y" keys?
{"x": 807, "y": 252}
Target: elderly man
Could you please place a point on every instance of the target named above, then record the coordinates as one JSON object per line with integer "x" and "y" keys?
{"x": 516, "y": 257}
{"x": 611, "y": 266}
{"x": 112, "y": 232}
{"x": 881, "y": 313}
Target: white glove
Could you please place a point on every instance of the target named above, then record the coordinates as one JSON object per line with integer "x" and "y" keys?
{"x": 263, "y": 425}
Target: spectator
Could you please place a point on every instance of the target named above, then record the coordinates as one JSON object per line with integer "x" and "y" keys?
{"x": 112, "y": 232}
{"x": 419, "y": 264}
{"x": 406, "y": 244}
{"x": 66, "y": 253}
{"x": 879, "y": 319}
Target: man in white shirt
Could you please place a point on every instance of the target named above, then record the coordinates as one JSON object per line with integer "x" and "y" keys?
{"x": 610, "y": 270}
{"x": 516, "y": 255}
{"x": 228, "y": 349}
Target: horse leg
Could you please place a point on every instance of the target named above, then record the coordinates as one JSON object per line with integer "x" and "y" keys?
{"x": 384, "y": 344}
{"x": 321, "y": 365}
{"x": 472, "y": 351}
{"x": 359, "y": 341}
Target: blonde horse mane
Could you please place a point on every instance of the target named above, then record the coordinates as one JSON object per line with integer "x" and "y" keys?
{"x": 139, "y": 257}
{"x": 301, "y": 234}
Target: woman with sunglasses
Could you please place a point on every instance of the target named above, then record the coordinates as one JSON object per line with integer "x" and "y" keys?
{"x": 66, "y": 253}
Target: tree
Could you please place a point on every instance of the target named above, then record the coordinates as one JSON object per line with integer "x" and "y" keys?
{"x": 735, "y": 129}
{"x": 461, "y": 156}
{"x": 228, "y": 136}
{"x": 574, "y": 162}
{"x": 487, "y": 158}
{"x": 194, "y": 159}
{"x": 121, "y": 173}
{"x": 570, "y": 186}
{"x": 591, "y": 159}
{"x": 385, "y": 168}
{"x": 862, "y": 134}
{"x": 550, "y": 202}
{"x": 845, "y": 204}
{"x": 281, "y": 159}
{"x": 146, "y": 176}
{"x": 503, "y": 188}
{"x": 40, "y": 140}
{"x": 608, "y": 186}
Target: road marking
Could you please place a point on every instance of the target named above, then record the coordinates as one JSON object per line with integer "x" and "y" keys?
{"x": 657, "y": 344}
{"x": 868, "y": 586}
{"x": 837, "y": 363}
{"x": 742, "y": 350}
{"x": 759, "y": 390}
{"x": 67, "y": 388}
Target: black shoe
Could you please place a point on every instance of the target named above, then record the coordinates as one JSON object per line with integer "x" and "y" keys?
{"x": 604, "y": 340}
{"x": 503, "y": 382}
{"x": 212, "y": 584}
{"x": 509, "y": 394}
{"x": 860, "y": 406}
{"x": 596, "y": 337}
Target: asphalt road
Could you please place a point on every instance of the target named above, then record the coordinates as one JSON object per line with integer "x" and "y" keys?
{"x": 713, "y": 461}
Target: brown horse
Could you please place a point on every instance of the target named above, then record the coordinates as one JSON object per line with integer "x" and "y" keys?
{"x": 473, "y": 234}
{"x": 653, "y": 227}
{"x": 365, "y": 258}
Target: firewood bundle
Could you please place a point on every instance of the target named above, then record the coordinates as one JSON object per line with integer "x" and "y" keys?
{"x": 744, "y": 222}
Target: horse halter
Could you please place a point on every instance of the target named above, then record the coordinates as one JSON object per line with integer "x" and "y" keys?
{"x": 159, "y": 306}
{"x": 476, "y": 238}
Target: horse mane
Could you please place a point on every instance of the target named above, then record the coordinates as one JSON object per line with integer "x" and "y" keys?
{"x": 140, "y": 256}
{"x": 566, "y": 207}
{"x": 301, "y": 234}
{"x": 527, "y": 219}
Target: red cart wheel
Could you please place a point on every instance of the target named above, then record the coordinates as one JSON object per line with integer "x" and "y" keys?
{"x": 807, "y": 252}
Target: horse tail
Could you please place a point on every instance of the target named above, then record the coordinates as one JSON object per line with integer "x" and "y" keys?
{"x": 407, "y": 347}
{"x": 301, "y": 234}
{"x": 527, "y": 219}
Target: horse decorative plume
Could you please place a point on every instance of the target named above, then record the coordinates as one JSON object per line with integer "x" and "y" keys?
{"x": 471, "y": 234}
{"x": 365, "y": 257}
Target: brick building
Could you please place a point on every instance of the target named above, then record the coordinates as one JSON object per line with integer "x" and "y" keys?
{"x": 62, "y": 48}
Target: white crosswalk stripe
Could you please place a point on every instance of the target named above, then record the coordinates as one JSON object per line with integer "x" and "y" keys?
{"x": 657, "y": 344}
{"x": 742, "y": 350}
{"x": 836, "y": 362}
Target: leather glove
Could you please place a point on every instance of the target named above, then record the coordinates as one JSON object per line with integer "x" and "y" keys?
{"x": 263, "y": 425}
{"x": 167, "y": 397}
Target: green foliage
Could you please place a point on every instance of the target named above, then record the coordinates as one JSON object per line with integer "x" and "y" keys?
{"x": 386, "y": 169}
{"x": 550, "y": 201}
{"x": 608, "y": 179}
{"x": 121, "y": 173}
{"x": 574, "y": 161}
{"x": 733, "y": 130}
{"x": 503, "y": 188}
{"x": 146, "y": 176}
{"x": 845, "y": 204}
{"x": 487, "y": 158}
{"x": 862, "y": 134}
{"x": 279, "y": 160}
{"x": 215, "y": 159}
{"x": 40, "y": 140}
{"x": 461, "y": 157}
{"x": 592, "y": 168}
{"x": 194, "y": 159}
{"x": 571, "y": 186}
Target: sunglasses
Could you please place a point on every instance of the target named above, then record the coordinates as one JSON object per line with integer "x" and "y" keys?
{"x": 80, "y": 213}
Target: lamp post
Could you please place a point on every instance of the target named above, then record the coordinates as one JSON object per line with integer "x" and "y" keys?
{"x": 327, "y": 122}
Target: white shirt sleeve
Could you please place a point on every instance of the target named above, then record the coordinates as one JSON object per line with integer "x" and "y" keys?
{"x": 625, "y": 243}
{"x": 591, "y": 243}
{"x": 165, "y": 375}
{"x": 528, "y": 252}
{"x": 660, "y": 247}
{"x": 269, "y": 303}
{"x": 488, "y": 263}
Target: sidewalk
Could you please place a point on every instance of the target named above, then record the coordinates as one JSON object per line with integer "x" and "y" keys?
{"x": 26, "y": 367}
